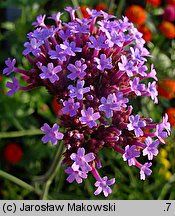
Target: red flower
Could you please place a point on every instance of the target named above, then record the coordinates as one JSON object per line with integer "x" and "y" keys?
{"x": 56, "y": 107}
{"x": 13, "y": 153}
{"x": 169, "y": 13}
{"x": 147, "y": 34}
{"x": 171, "y": 115}
{"x": 168, "y": 29}
{"x": 154, "y": 3}
{"x": 171, "y": 2}
{"x": 136, "y": 14}
{"x": 101, "y": 6}
{"x": 166, "y": 88}
{"x": 84, "y": 12}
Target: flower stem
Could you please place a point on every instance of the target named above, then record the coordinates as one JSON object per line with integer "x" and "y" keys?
{"x": 79, "y": 13}
{"x": 11, "y": 134}
{"x": 48, "y": 177}
{"x": 166, "y": 188}
{"x": 16, "y": 180}
{"x": 120, "y": 8}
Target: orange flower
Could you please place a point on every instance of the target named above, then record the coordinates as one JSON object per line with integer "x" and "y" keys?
{"x": 168, "y": 29}
{"x": 136, "y": 14}
{"x": 0, "y": 78}
{"x": 101, "y": 6}
{"x": 166, "y": 88}
{"x": 84, "y": 12}
{"x": 147, "y": 34}
{"x": 171, "y": 2}
{"x": 13, "y": 153}
{"x": 56, "y": 107}
{"x": 171, "y": 115}
{"x": 154, "y": 3}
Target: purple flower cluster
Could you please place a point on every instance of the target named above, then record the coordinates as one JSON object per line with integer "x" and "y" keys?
{"x": 94, "y": 67}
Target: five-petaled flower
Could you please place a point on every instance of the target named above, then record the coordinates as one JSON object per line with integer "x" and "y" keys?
{"x": 103, "y": 62}
{"x": 103, "y": 186}
{"x": 77, "y": 70}
{"x": 151, "y": 148}
{"x": 52, "y": 134}
{"x": 136, "y": 124}
{"x": 70, "y": 107}
{"x": 14, "y": 86}
{"x": 130, "y": 153}
{"x": 144, "y": 170}
{"x": 50, "y": 72}
{"x": 89, "y": 117}
{"x": 78, "y": 91}
{"x": 10, "y": 66}
{"x": 82, "y": 160}
{"x": 75, "y": 174}
{"x": 113, "y": 102}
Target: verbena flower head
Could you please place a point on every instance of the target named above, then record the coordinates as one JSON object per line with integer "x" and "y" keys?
{"x": 94, "y": 67}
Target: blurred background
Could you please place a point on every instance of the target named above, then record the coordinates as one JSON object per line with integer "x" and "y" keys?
{"x": 21, "y": 152}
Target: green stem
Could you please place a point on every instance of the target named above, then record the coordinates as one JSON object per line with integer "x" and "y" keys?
{"x": 11, "y": 134}
{"x": 166, "y": 187}
{"x": 110, "y": 5}
{"x": 120, "y": 8}
{"x": 76, "y": 4}
{"x": 16, "y": 180}
{"x": 50, "y": 174}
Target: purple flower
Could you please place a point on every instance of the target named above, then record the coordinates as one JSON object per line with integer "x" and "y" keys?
{"x": 57, "y": 54}
{"x": 103, "y": 62}
{"x": 98, "y": 43}
{"x": 75, "y": 174}
{"x": 40, "y": 21}
{"x": 32, "y": 47}
{"x": 89, "y": 117}
{"x": 136, "y": 124}
{"x": 113, "y": 102}
{"x": 70, "y": 48}
{"x": 152, "y": 73}
{"x": 106, "y": 16}
{"x": 81, "y": 26}
{"x": 52, "y": 134}
{"x": 71, "y": 11}
{"x": 127, "y": 66}
{"x": 136, "y": 35}
{"x": 137, "y": 54}
{"x": 78, "y": 70}
{"x": 151, "y": 148}
{"x": 64, "y": 34}
{"x": 141, "y": 68}
{"x": 70, "y": 107}
{"x": 10, "y": 66}
{"x": 136, "y": 87}
{"x": 103, "y": 185}
{"x": 14, "y": 86}
{"x": 144, "y": 170}
{"x": 93, "y": 13}
{"x": 56, "y": 17}
{"x": 166, "y": 124}
{"x": 78, "y": 91}
{"x": 130, "y": 154}
{"x": 116, "y": 38}
{"x": 160, "y": 133}
{"x": 41, "y": 34}
{"x": 82, "y": 160}
{"x": 152, "y": 90}
{"x": 50, "y": 72}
